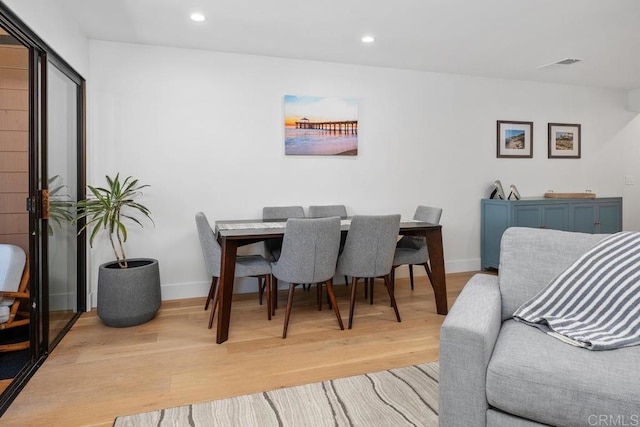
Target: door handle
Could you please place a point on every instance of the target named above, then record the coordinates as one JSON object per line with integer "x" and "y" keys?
{"x": 44, "y": 197}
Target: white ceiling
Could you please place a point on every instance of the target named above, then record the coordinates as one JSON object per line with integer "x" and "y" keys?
{"x": 491, "y": 38}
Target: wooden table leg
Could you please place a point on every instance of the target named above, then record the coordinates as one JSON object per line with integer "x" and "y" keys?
{"x": 436, "y": 256}
{"x": 225, "y": 289}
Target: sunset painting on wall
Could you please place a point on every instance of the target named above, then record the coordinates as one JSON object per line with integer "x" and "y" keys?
{"x": 320, "y": 126}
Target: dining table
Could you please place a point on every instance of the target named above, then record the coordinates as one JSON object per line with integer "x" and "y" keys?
{"x": 232, "y": 234}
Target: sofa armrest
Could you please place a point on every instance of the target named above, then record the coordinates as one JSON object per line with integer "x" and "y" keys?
{"x": 467, "y": 338}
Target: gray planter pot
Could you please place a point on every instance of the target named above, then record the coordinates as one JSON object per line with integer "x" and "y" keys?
{"x": 128, "y": 296}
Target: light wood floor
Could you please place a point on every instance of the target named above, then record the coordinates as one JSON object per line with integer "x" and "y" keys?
{"x": 97, "y": 373}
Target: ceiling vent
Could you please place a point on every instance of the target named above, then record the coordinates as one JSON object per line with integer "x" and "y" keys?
{"x": 566, "y": 61}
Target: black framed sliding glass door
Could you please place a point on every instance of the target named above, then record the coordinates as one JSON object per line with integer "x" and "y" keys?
{"x": 42, "y": 111}
{"x": 63, "y": 99}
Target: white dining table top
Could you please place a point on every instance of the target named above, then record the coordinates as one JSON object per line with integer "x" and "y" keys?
{"x": 234, "y": 225}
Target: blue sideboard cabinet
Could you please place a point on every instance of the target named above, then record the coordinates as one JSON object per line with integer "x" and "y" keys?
{"x": 599, "y": 215}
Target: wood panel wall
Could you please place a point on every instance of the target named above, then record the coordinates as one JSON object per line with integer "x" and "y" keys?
{"x": 14, "y": 145}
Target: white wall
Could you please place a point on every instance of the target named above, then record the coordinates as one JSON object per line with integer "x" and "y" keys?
{"x": 62, "y": 34}
{"x": 205, "y": 130}
{"x": 633, "y": 100}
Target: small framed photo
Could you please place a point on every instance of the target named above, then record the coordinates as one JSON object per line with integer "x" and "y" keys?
{"x": 515, "y": 139}
{"x": 564, "y": 141}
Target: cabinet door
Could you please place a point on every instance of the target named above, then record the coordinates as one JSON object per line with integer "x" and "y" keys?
{"x": 556, "y": 217}
{"x": 584, "y": 217}
{"x": 495, "y": 220}
{"x": 609, "y": 218}
{"x": 527, "y": 216}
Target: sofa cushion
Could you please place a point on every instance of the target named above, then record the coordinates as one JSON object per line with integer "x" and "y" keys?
{"x": 535, "y": 376}
{"x": 12, "y": 262}
{"x": 530, "y": 258}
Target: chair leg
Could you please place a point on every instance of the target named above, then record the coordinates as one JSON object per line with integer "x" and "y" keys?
{"x": 393, "y": 282}
{"x": 319, "y": 295}
{"x": 354, "y": 282}
{"x": 428, "y": 270}
{"x": 411, "y": 275}
{"x": 212, "y": 288}
{"x": 215, "y": 302}
{"x": 267, "y": 287}
{"x": 366, "y": 287}
{"x": 287, "y": 314}
{"x": 332, "y": 297}
{"x": 346, "y": 281}
{"x": 371, "y": 280}
{"x": 260, "y": 289}
{"x": 387, "y": 281}
{"x": 274, "y": 294}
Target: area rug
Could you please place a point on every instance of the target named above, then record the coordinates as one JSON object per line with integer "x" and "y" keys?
{"x": 398, "y": 397}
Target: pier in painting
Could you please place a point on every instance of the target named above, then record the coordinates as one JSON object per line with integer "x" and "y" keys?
{"x": 341, "y": 126}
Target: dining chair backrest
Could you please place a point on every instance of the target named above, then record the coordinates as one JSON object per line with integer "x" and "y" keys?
{"x": 370, "y": 246}
{"x": 282, "y": 212}
{"x": 309, "y": 250}
{"x": 428, "y": 214}
{"x": 324, "y": 211}
{"x": 210, "y": 246}
{"x": 272, "y": 247}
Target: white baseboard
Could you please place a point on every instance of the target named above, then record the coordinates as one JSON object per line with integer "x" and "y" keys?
{"x": 457, "y": 266}
{"x": 247, "y": 285}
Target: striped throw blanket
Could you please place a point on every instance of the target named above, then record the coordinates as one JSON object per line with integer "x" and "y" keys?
{"x": 595, "y": 303}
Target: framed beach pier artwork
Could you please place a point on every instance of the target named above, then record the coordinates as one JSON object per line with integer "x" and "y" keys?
{"x": 320, "y": 126}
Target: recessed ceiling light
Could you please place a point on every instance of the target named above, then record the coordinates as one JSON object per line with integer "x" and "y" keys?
{"x": 198, "y": 17}
{"x": 368, "y": 39}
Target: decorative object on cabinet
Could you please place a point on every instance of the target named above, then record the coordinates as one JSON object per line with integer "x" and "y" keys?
{"x": 514, "y": 192}
{"x": 599, "y": 215}
{"x": 497, "y": 192}
{"x": 586, "y": 195}
{"x": 514, "y": 139}
{"x": 564, "y": 141}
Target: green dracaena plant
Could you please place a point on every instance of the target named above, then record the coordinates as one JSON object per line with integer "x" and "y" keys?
{"x": 106, "y": 208}
{"x": 60, "y": 204}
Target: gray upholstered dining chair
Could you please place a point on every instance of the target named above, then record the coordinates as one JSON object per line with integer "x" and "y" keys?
{"x": 309, "y": 254}
{"x": 246, "y": 266}
{"x": 272, "y": 247}
{"x": 412, "y": 250}
{"x": 325, "y": 211}
{"x": 368, "y": 253}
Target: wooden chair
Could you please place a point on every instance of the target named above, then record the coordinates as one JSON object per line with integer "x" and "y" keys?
{"x": 14, "y": 305}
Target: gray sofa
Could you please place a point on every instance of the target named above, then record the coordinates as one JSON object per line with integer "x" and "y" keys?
{"x": 495, "y": 371}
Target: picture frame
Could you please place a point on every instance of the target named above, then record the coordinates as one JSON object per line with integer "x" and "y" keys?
{"x": 514, "y": 139}
{"x": 564, "y": 141}
{"x": 320, "y": 126}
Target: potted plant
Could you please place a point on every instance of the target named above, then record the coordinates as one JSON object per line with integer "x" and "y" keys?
{"x": 128, "y": 289}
